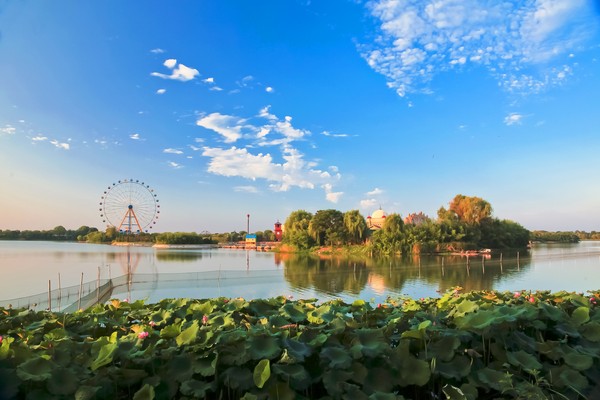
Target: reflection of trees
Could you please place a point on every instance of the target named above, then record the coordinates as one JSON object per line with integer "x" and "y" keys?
{"x": 182, "y": 256}
{"x": 336, "y": 274}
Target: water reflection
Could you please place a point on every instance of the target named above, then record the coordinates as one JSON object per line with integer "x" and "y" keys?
{"x": 395, "y": 276}
{"x": 147, "y": 273}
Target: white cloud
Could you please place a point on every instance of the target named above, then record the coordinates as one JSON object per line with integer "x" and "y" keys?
{"x": 228, "y": 126}
{"x": 39, "y": 138}
{"x": 327, "y": 133}
{"x": 513, "y": 118}
{"x": 368, "y": 204}
{"x": 330, "y": 195}
{"x": 199, "y": 140}
{"x": 269, "y": 89}
{"x": 161, "y": 91}
{"x": 246, "y": 189}
{"x": 375, "y": 192}
{"x": 194, "y": 148}
{"x": 157, "y": 51}
{"x": 8, "y": 130}
{"x": 172, "y": 151}
{"x": 179, "y": 72}
{"x": 522, "y": 44}
{"x": 216, "y": 88}
{"x": 64, "y": 146}
{"x": 209, "y": 80}
{"x": 293, "y": 172}
{"x": 135, "y": 136}
{"x": 174, "y": 165}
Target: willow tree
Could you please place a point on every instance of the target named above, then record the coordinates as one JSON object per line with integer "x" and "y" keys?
{"x": 327, "y": 227}
{"x": 296, "y": 230}
{"x": 356, "y": 226}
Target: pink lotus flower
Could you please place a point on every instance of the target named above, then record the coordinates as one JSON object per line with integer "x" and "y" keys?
{"x": 517, "y": 294}
{"x": 143, "y": 335}
{"x": 152, "y": 323}
{"x": 125, "y": 300}
{"x": 532, "y": 299}
{"x": 0, "y": 339}
{"x": 204, "y": 319}
{"x": 379, "y": 305}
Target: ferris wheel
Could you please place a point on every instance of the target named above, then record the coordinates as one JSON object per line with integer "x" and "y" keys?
{"x": 130, "y": 206}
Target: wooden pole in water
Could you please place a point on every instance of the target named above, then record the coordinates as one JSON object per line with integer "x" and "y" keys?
{"x": 59, "y": 291}
{"x": 80, "y": 290}
{"x": 98, "y": 287}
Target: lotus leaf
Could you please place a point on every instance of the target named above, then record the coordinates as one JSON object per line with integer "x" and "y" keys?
{"x": 161, "y": 317}
{"x": 464, "y": 307}
{"x": 297, "y": 376}
{"x": 336, "y": 357}
{"x": 580, "y": 362}
{"x": 444, "y": 348}
{"x": 205, "y": 366}
{"x": 86, "y": 392}
{"x": 5, "y": 350}
{"x": 262, "y": 373}
{"x": 580, "y": 316}
{"x": 333, "y": 379}
{"x": 249, "y": 396}
{"x": 238, "y": 378}
{"x": 590, "y": 331}
{"x": 264, "y": 347}
{"x": 105, "y": 355}
{"x": 233, "y": 353}
{"x": 195, "y": 388}
{"x": 179, "y": 368}
{"x": 281, "y": 391}
{"x": 500, "y": 381}
{"x": 145, "y": 393}
{"x": 188, "y": 335}
{"x": 523, "y": 360}
{"x": 551, "y": 312}
{"x": 385, "y": 396}
{"x": 568, "y": 377}
{"x": 411, "y": 370}
{"x": 372, "y": 342}
{"x": 294, "y": 312}
{"x": 298, "y": 350}
{"x": 129, "y": 376}
{"x": 63, "y": 381}
{"x": 458, "y": 368}
{"x": 35, "y": 369}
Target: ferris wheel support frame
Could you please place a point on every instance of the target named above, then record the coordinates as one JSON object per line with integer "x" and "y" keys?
{"x": 128, "y": 216}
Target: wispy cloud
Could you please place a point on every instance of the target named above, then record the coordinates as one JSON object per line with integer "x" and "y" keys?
{"x": 64, "y": 146}
{"x": 161, "y": 91}
{"x": 228, "y": 126}
{"x": 178, "y": 72}
{"x": 513, "y": 118}
{"x": 209, "y": 80}
{"x": 375, "y": 192}
{"x": 8, "y": 130}
{"x": 172, "y": 151}
{"x": 39, "y": 138}
{"x": 174, "y": 165}
{"x": 327, "y": 133}
{"x": 157, "y": 51}
{"x": 368, "y": 204}
{"x": 524, "y": 45}
{"x": 134, "y": 136}
{"x": 246, "y": 189}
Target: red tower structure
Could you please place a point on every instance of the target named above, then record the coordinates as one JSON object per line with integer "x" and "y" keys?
{"x": 278, "y": 231}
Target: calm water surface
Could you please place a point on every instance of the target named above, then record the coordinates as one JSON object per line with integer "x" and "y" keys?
{"x": 27, "y": 267}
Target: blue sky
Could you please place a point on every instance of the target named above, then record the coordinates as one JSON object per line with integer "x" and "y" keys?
{"x": 227, "y": 108}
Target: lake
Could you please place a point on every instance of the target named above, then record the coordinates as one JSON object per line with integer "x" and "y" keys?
{"x": 29, "y": 269}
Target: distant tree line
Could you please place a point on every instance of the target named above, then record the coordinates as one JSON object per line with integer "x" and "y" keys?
{"x": 466, "y": 224}
{"x": 59, "y": 233}
{"x": 561, "y": 237}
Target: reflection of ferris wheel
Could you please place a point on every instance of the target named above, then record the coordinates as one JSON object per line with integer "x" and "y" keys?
{"x": 130, "y": 206}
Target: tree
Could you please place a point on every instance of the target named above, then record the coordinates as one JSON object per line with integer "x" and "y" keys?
{"x": 296, "y": 230}
{"x": 356, "y": 226}
{"x": 471, "y": 210}
{"x": 327, "y": 226}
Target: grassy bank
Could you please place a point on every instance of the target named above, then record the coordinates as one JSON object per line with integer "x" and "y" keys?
{"x": 476, "y": 345}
